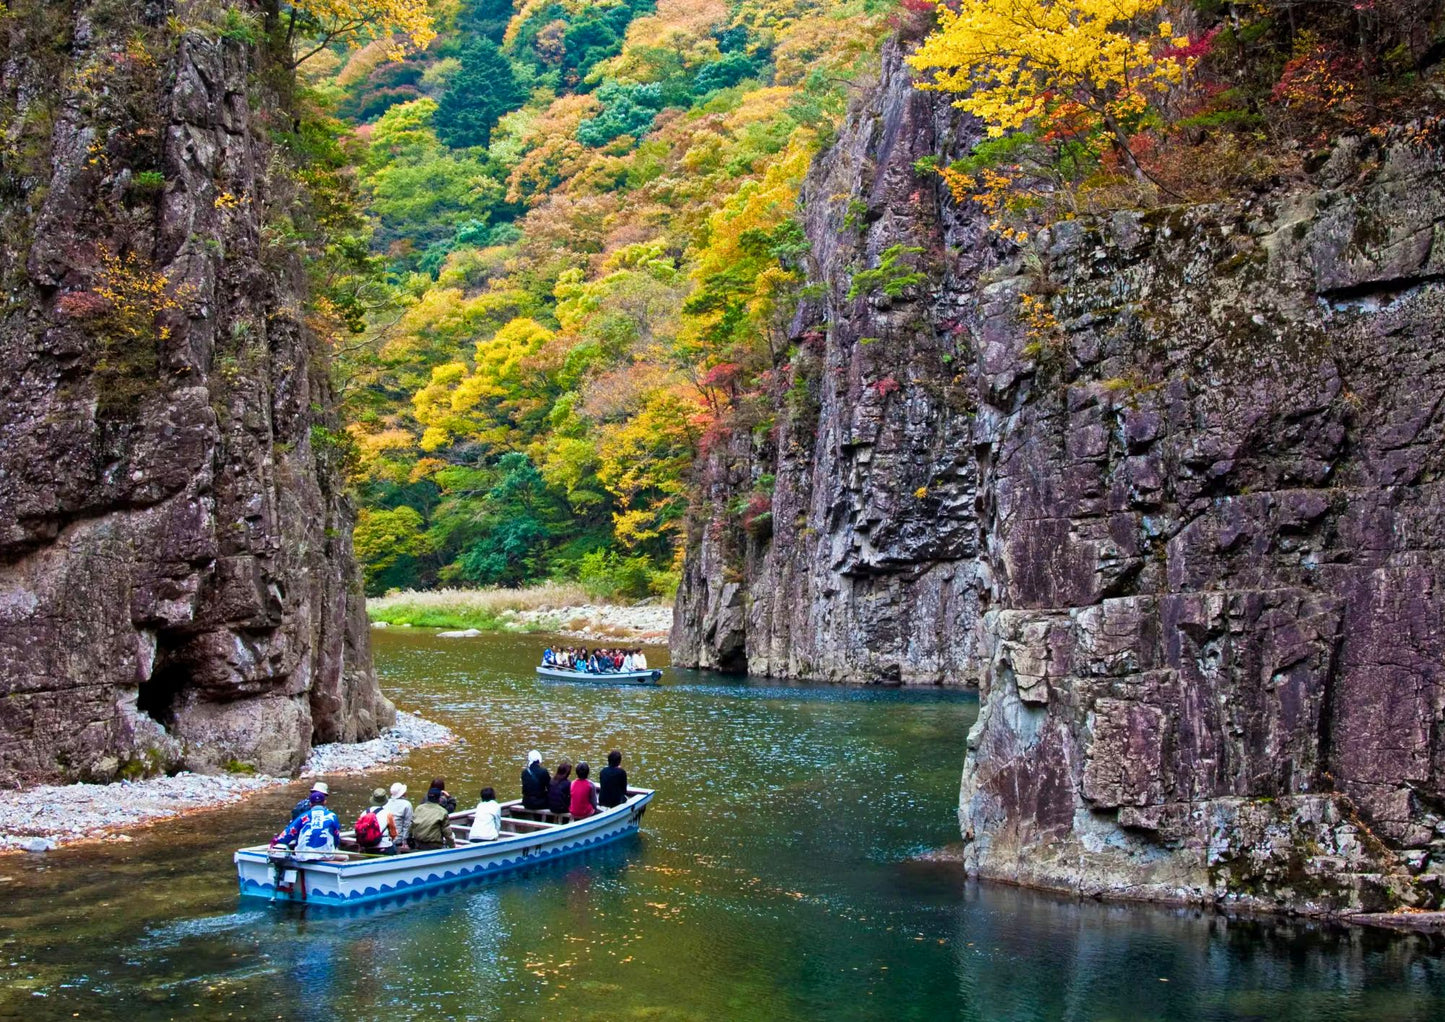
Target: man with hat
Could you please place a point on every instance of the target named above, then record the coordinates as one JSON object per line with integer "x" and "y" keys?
{"x": 316, "y": 833}
{"x": 401, "y": 812}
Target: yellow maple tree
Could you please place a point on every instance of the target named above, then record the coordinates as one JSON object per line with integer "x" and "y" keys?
{"x": 327, "y": 21}
{"x": 1016, "y": 63}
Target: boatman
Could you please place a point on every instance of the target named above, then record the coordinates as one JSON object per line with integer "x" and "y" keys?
{"x": 316, "y": 833}
{"x": 535, "y": 782}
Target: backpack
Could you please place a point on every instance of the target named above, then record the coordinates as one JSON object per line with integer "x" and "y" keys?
{"x": 368, "y": 829}
{"x": 300, "y": 809}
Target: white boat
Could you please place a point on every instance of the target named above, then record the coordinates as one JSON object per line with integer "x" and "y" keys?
{"x": 528, "y": 837}
{"x": 650, "y": 677}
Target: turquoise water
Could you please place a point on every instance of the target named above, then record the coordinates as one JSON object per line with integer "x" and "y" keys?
{"x": 775, "y": 878}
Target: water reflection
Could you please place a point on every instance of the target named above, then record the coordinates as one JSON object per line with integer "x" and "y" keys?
{"x": 773, "y": 881}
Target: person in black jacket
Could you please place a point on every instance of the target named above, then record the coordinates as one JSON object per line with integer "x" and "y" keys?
{"x": 560, "y": 797}
{"x": 535, "y": 782}
{"x": 612, "y": 781}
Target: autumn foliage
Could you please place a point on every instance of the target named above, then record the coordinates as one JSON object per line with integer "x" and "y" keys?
{"x": 594, "y": 271}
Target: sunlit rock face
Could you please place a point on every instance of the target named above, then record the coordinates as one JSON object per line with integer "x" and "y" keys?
{"x": 177, "y": 586}
{"x": 1185, "y": 538}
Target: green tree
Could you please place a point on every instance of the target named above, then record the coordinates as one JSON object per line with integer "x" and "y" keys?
{"x": 482, "y": 91}
{"x": 390, "y": 545}
{"x": 517, "y": 520}
{"x": 484, "y": 19}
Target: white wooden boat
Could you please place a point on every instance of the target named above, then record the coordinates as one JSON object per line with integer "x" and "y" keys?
{"x": 352, "y": 878}
{"x": 649, "y": 677}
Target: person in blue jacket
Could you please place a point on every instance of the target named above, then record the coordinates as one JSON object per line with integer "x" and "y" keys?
{"x": 316, "y": 833}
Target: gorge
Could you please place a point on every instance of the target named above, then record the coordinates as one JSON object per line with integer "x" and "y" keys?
{"x": 1163, "y": 485}
{"x": 1161, "y": 481}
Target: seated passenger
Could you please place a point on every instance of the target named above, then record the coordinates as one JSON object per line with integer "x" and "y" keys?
{"x": 535, "y": 782}
{"x": 612, "y": 782}
{"x": 431, "y": 824}
{"x": 487, "y": 823}
{"x": 316, "y": 833}
{"x": 401, "y": 811}
{"x": 559, "y": 795}
{"x": 627, "y": 661}
{"x": 584, "y": 794}
{"x": 448, "y": 800}
{"x": 549, "y": 659}
{"x": 592, "y": 666}
{"x": 375, "y": 829}
{"x": 639, "y": 660}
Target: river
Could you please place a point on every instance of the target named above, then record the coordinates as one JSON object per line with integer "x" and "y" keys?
{"x": 775, "y": 878}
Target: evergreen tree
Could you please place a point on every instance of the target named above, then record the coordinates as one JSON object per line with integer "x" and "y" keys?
{"x": 482, "y": 91}
{"x": 484, "y": 19}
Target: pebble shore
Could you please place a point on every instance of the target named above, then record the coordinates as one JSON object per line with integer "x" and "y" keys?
{"x": 592, "y": 622}
{"x": 47, "y": 816}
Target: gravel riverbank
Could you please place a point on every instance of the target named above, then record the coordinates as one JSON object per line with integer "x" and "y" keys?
{"x": 590, "y": 622}
{"x": 593, "y": 622}
{"x": 44, "y": 817}
{"x": 561, "y": 608}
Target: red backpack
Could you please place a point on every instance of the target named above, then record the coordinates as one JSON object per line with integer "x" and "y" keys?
{"x": 368, "y": 829}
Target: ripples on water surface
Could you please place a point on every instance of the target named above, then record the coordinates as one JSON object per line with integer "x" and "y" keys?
{"x": 772, "y": 881}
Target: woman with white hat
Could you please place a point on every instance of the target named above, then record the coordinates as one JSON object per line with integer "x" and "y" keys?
{"x": 401, "y": 811}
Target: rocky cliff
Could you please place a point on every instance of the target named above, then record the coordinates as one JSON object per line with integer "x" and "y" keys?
{"x": 177, "y": 585}
{"x": 1164, "y": 485}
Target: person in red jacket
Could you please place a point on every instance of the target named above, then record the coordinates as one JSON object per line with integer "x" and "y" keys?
{"x": 584, "y": 794}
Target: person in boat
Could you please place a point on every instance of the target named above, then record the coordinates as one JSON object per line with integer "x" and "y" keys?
{"x": 584, "y": 794}
{"x": 301, "y": 808}
{"x": 316, "y": 833}
{"x": 612, "y": 782}
{"x": 535, "y": 782}
{"x": 448, "y": 800}
{"x": 431, "y": 823}
{"x": 639, "y": 660}
{"x": 376, "y": 835}
{"x": 487, "y": 821}
{"x": 549, "y": 659}
{"x": 559, "y": 795}
{"x": 627, "y": 661}
{"x": 591, "y": 661}
{"x": 401, "y": 812}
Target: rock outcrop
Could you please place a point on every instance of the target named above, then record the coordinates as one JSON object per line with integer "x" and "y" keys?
{"x": 1166, "y": 486}
{"x": 177, "y": 586}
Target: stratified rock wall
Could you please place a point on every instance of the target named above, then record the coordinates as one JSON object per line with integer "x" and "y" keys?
{"x": 871, "y": 571}
{"x": 177, "y": 586}
{"x": 1182, "y": 523}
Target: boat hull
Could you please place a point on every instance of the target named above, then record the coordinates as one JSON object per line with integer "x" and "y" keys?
{"x": 650, "y": 677}
{"x": 376, "y": 878}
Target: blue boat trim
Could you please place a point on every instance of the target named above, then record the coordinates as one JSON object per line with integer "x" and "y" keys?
{"x": 249, "y": 888}
{"x": 651, "y": 676}
{"x": 435, "y": 868}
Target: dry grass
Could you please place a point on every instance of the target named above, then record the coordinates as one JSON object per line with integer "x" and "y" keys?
{"x": 485, "y": 609}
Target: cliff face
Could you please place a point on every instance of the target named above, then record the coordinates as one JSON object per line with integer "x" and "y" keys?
{"x": 177, "y": 585}
{"x": 863, "y": 576}
{"x": 1183, "y": 529}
